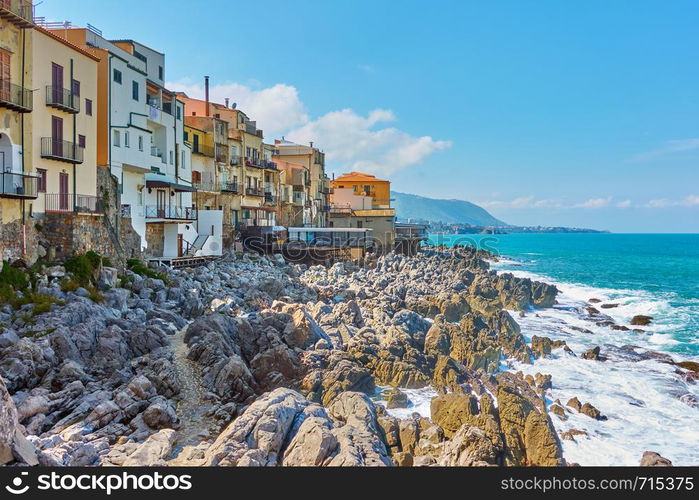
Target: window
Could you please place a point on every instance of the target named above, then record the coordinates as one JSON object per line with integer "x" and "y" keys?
{"x": 195, "y": 144}
{"x": 134, "y": 90}
{"x": 140, "y": 143}
{"x": 117, "y": 138}
{"x": 179, "y": 113}
{"x": 160, "y": 72}
{"x": 117, "y": 76}
{"x": 126, "y": 139}
{"x": 88, "y": 107}
{"x": 186, "y": 136}
{"x": 81, "y": 141}
{"x": 139, "y": 199}
{"x": 194, "y": 113}
{"x": 182, "y": 163}
{"x": 76, "y": 88}
{"x": 172, "y": 158}
{"x": 41, "y": 181}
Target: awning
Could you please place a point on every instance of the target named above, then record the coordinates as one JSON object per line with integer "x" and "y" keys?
{"x": 170, "y": 185}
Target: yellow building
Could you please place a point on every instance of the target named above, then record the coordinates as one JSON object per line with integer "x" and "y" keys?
{"x": 362, "y": 201}
{"x": 64, "y": 125}
{"x": 18, "y": 185}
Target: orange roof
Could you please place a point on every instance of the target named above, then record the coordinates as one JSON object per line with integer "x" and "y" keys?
{"x": 358, "y": 177}
{"x": 58, "y": 38}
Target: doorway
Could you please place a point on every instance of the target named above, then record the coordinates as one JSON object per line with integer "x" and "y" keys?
{"x": 63, "y": 191}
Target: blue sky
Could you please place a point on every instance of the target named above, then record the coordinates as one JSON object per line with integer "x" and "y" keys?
{"x": 544, "y": 112}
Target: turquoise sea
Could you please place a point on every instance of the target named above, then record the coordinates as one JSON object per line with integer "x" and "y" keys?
{"x": 650, "y": 403}
{"x": 660, "y": 271}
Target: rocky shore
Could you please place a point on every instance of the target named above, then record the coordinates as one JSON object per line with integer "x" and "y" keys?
{"x": 254, "y": 361}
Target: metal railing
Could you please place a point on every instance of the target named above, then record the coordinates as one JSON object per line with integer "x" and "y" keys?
{"x": 54, "y": 149}
{"x": 251, "y": 191}
{"x": 78, "y": 203}
{"x": 203, "y": 150}
{"x": 270, "y": 165}
{"x": 230, "y": 187}
{"x": 18, "y": 185}
{"x": 62, "y": 99}
{"x": 221, "y": 153}
{"x": 236, "y": 160}
{"x": 253, "y": 162}
{"x": 17, "y": 12}
{"x": 171, "y": 212}
{"x": 15, "y": 97}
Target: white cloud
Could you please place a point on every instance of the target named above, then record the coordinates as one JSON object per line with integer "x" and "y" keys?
{"x": 688, "y": 201}
{"x": 355, "y": 142}
{"x": 276, "y": 109}
{"x": 522, "y": 202}
{"x": 596, "y": 203}
{"x": 350, "y": 141}
{"x": 624, "y": 204}
{"x": 670, "y": 147}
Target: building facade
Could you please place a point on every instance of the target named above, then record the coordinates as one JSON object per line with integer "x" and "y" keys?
{"x": 317, "y": 183}
{"x": 18, "y": 182}
{"x": 363, "y": 201}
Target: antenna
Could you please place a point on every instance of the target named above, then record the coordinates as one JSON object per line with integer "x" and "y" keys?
{"x": 234, "y": 105}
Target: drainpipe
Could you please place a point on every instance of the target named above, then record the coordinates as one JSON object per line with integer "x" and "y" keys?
{"x": 24, "y": 216}
{"x": 75, "y": 181}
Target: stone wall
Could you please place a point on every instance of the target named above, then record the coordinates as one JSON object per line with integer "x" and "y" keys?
{"x": 155, "y": 237}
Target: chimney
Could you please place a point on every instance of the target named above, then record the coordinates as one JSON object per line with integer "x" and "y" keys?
{"x": 227, "y": 101}
{"x": 206, "y": 93}
{"x": 311, "y": 143}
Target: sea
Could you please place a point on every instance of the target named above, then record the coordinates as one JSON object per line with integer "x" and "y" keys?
{"x": 648, "y": 403}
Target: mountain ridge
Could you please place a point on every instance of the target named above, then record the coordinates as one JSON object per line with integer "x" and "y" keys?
{"x": 442, "y": 210}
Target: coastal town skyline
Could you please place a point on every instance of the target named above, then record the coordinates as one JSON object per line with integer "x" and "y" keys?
{"x": 590, "y": 131}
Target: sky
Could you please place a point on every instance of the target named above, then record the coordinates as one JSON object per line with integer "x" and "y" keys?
{"x": 576, "y": 113}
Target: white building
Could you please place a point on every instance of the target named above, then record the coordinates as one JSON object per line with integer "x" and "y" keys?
{"x": 148, "y": 155}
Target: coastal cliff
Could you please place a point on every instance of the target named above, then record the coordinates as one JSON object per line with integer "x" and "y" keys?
{"x": 254, "y": 361}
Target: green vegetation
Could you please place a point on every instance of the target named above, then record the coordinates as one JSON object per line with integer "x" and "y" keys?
{"x": 140, "y": 268}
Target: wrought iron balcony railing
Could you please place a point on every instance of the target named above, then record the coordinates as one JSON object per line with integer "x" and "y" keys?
{"x": 203, "y": 150}
{"x": 230, "y": 187}
{"x": 62, "y": 99}
{"x": 251, "y": 191}
{"x": 68, "y": 152}
{"x": 170, "y": 212}
{"x": 15, "y": 97}
{"x": 18, "y": 12}
{"x": 18, "y": 185}
{"x": 78, "y": 203}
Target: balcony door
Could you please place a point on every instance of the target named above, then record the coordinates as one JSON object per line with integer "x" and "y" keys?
{"x": 5, "y": 75}
{"x": 56, "y": 136}
{"x": 161, "y": 197}
{"x": 63, "y": 191}
{"x": 57, "y": 83}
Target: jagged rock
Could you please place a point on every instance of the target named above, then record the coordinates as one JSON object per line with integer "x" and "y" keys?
{"x": 641, "y": 320}
{"x": 559, "y": 411}
{"x": 653, "y": 459}
{"x": 469, "y": 447}
{"x": 395, "y": 398}
{"x": 593, "y": 354}
{"x": 153, "y": 451}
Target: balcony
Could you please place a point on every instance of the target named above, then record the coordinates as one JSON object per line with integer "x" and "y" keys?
{"x": 17, "y": 12}
{"x": 270, "y": 198}
{"x": 207, "y": 186}
{"x": 69, "y": 152}
{"x": 221, "y": 153}
{"x": 416, "y": 232}
{"x": 18, "y": 185}
{"x": 200, "y": 149}
{"x": 236, "y": 160}
{"x": 229, "y": 187}
{"x": 62, "y": 99}
{"x": 253, "y": 162}
{"x": 78, "y": 203}
{"x": 170, "y": 212}
{"x": 252, "y": 191}
{"x": 269, "y": 165}
{"x": 15, "y": 97}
